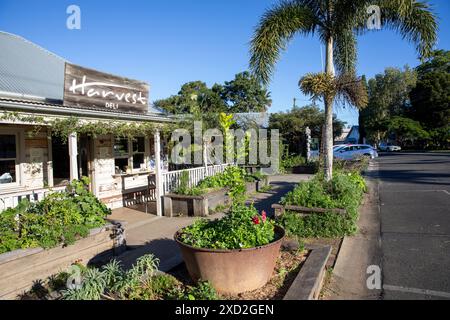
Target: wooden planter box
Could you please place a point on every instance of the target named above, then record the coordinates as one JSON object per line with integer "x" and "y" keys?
{"x": 194, "y": 206}
{"x": 19, "y": 269}
{"x": 199, "y": 206}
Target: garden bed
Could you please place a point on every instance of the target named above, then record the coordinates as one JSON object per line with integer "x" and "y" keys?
{"x": 299, "y": 273}
{"x": 21, "y": 269}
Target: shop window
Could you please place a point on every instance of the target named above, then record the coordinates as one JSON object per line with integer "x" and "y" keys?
{"x": 138, "y": 152}
{"x": 121, "y": 147}
{"x": 129, "y": 152}
{"x": 121, "y": 155}
{"x": 8, "y": 158}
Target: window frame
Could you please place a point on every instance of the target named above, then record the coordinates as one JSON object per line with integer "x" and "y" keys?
{"x": 130, "y": 154}
{"x": 17, "y": 159}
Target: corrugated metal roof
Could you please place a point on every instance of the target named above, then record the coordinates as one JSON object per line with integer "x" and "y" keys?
{"x": 29, "y": 70}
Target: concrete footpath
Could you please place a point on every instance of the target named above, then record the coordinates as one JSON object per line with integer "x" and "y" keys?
{"x": 357, "y": 253}
{"x": 147, "y": 233}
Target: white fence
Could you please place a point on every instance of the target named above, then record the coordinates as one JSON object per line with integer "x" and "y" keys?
{"x": 11, "y": 200}
{"x": 171, "y": 180}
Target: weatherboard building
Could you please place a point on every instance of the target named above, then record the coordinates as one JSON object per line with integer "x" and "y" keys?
{"x": 41, "y": 97}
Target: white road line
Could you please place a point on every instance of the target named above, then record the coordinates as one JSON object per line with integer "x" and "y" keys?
{"x": 417, "y": 291}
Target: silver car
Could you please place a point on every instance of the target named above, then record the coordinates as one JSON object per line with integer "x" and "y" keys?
{"x": 355, "y": 151}
{"x": 389, "y": 147}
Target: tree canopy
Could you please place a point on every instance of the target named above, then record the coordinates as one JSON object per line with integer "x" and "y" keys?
{"x": 388, "y": 97}
{"x": 406, "y": 103}
{"x": 292, "y": 126}
{"x": 245, "y": 94}
{"x": 193, "y": 97}
{"x": 241, "y": 95}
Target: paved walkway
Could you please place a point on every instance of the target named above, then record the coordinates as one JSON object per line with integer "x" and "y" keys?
{"x": 146, "y": 233}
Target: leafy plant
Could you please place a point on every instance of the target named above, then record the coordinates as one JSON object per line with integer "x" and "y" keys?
{"x": 233, "y": 178}
{"x": 93, "y": 286}
{"x": 344, "y": 191}
{"x": 292, "y": 161}
{"x": 60, "y": 218}
{"x": 203, "y": 291}
{"x": 141, "y": 282}
{"x": 242, "y": 228}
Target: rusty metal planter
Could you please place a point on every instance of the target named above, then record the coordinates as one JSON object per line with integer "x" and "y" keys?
{"x": 232, "y": 271}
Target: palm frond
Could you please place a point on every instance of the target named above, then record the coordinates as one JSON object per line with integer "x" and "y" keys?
{"x": 318, "y": 85}
{"x": 352, "y": 90}
{"x": 345, "y": 51}
{"x": 276, "y": 28}
{"x": 414, "y": 20}
{"x": 346, "y": 88}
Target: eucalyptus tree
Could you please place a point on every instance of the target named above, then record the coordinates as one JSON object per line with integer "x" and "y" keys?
{"x": 337, "y": 23}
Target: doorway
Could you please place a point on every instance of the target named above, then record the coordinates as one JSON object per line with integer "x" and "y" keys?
{"x": 61, "y": 161}
{"x": 85, "y": 165}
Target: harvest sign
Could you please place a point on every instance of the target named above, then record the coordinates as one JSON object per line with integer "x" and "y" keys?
{"x": 91, "y": 89}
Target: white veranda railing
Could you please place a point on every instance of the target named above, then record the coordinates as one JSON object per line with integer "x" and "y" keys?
{"x": 171, "y": 180}
{"x": 11, "y": 200}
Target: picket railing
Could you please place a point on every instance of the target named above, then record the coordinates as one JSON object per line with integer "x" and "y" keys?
{"x": 171, "y": 180}
{"x": 11, "y": 200}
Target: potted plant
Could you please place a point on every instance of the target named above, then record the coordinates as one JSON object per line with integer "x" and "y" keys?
{"x": 235, "y": 254}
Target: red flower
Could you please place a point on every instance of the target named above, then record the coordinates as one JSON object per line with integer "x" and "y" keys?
{"x": 264, "y": 216}
{"x": 255, "y": 220}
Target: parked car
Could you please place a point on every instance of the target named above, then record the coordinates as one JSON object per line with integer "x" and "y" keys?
{"x": 389, "y": 147}
{"x": 355, "y": 151}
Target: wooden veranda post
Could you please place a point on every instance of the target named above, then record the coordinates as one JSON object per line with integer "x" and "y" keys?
{"x": 73, "y": 153}
{"x": 159, "y": 192}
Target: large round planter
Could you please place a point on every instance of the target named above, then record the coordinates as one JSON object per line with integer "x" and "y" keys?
{"x": 232, "y": 271}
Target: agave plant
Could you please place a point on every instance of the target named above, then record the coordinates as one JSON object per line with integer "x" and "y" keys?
{"x": 337, "y": 24}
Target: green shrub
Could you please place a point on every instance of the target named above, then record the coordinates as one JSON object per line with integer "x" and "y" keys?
{"x": 292, "y": 161}
{"x": 242, "y": 228}
{"x": 60, "y": 218}
{"x": 233, "y": 178}
{"x": 328, "y": 225}
{"x": 344, "y": 191}
{"x": 203, "y": 291}
{"x": 311, "y": 194}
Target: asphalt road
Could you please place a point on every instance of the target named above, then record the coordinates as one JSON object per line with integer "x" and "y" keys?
{"x": 415, "y": 225}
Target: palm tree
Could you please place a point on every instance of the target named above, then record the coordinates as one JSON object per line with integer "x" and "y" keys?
{"x": 337, "y": 24}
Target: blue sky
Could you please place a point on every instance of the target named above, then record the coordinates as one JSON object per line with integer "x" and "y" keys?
{"x": 170, "y": 42}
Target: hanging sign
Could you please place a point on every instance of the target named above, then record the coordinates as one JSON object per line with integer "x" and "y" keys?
{"x": 91, "y": 89}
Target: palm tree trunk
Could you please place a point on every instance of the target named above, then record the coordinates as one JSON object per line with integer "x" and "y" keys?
{"x": 328, "y": 100}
